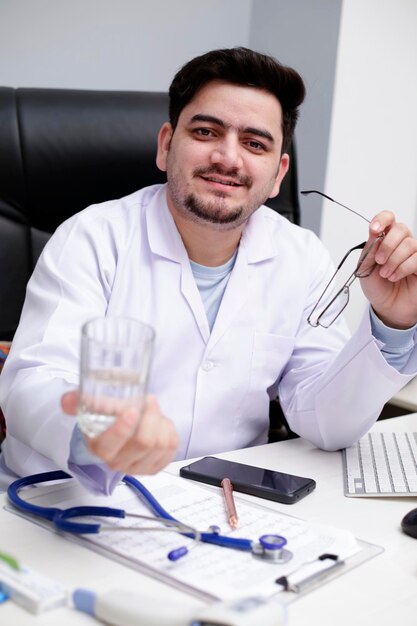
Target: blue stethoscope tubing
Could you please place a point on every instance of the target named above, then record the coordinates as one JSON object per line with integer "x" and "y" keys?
{"x": 61, "y": 518}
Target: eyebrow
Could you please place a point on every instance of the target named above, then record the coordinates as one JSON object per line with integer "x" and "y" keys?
{"x": 259, "y": 132}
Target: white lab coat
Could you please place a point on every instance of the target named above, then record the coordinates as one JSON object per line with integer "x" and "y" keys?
{"x": 126, "y": 257}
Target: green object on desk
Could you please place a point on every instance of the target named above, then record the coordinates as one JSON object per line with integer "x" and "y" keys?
{"x": 11, "y": 561}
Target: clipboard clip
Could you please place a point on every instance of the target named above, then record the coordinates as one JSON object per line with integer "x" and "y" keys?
{"x": 310, "y": 574}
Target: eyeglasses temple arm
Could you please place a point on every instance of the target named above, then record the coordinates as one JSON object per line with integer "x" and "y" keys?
{"x": 306, "y": 193}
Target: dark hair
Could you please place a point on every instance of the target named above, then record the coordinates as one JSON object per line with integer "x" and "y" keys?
{"x": 240, "y": 66}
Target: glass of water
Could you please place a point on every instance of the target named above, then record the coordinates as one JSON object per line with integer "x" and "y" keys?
{"x": 115, "y": 359}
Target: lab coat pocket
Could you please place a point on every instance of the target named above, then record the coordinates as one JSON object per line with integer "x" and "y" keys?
{"x": 270, "y": 354}
{"x": 269, "y": 357}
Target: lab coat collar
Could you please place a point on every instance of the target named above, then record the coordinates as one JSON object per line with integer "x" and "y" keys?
{"x": 257, "y": 238}
{"x": 256, "y": 245}
{"x": 165, "y": 240}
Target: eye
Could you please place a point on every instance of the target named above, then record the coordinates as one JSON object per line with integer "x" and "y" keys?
{"x": 203, "y": 132}
{"x": 255, "y": 146}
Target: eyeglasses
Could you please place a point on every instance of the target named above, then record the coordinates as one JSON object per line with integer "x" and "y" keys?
{"x": 333, "y": 301}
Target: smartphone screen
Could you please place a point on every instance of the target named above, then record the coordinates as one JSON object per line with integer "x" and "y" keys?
{"x": 256, "y": 481}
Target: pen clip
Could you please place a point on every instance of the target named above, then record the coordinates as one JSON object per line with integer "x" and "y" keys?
{"x": 310, "y": 574}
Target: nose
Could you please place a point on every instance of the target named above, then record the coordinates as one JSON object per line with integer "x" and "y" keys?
{"x": 227, "y": 153}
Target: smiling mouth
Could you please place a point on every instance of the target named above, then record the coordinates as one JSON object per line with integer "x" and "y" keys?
{"x": 228, "y": 183}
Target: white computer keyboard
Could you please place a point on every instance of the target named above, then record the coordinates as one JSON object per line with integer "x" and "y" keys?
{"x": 381, "y": 464}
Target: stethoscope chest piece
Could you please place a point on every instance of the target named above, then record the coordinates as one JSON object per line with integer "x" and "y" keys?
{"x": 270, "y": 548}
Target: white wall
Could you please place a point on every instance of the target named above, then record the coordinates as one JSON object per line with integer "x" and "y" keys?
{"x": 112, "y": 44}
{"x": 304, "y": 34}
{"x": 139, "y": 44}
{"x": 372, "y": 160}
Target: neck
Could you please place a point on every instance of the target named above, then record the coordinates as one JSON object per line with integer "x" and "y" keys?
{"x": 204, "y": 243}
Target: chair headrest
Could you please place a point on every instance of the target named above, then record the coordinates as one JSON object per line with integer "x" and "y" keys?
{"x": 64, "y": 149}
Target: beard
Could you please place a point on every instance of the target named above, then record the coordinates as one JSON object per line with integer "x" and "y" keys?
{"x": 212, "y": 212}
{"x": 215, "y": 211}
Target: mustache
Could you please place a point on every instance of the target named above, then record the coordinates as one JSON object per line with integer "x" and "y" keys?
{"x": 230, "y": 174}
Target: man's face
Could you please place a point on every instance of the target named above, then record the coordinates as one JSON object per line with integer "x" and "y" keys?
{"x": 224, "y": 158}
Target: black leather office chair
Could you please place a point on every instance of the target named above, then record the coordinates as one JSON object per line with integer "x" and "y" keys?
{"x": 61, "y": 150}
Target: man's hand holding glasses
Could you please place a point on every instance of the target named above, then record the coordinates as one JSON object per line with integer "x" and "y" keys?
{"x": 386, "y": 266}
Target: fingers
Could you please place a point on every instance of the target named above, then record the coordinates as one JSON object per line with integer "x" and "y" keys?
{"x": 396, "y": 254}
{"x": 69, "y": 402}
{"x": 144, "y": 450}
{"x": 108, "y": 444}
{"x": 382, "y": 222}
{"x": 133, "y": 444}
{"x": 158, "y": 454}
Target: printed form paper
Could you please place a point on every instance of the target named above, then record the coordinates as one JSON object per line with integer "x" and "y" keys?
{"x": 208, "y": 571}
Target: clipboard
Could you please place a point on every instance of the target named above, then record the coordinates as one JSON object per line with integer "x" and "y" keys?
{"x": 212, "y": 573}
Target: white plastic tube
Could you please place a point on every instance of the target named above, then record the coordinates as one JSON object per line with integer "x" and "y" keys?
{"x": 125, "y": 608}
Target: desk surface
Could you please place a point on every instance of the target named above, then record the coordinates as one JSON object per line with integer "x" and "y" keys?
{"x": 406, "y": 398}
{"x": 381, "y": 591}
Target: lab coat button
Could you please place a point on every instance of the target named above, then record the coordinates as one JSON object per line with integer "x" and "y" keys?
{"x": 207, "y": 366}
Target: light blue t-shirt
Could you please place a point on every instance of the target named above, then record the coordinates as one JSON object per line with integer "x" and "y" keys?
{"x": 212, "y": 283}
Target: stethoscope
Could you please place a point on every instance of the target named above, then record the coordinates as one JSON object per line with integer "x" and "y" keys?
{"x": 270, "y": 547}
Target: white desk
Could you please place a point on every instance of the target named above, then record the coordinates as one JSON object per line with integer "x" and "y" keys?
{"x": 381, "y": 591}
{"x": 406, "y": 398}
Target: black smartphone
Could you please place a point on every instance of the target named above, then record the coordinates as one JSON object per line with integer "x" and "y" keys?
{"x": 256, "y": 481}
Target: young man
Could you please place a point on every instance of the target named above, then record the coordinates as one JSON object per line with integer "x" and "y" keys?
{"x": 228, "y": 286}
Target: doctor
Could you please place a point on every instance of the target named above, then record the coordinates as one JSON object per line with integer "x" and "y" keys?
{"x": 227, "y": 283}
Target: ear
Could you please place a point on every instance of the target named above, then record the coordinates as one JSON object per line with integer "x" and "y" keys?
{"x": 284, "y": 164}
{"x": 164, "y": 141}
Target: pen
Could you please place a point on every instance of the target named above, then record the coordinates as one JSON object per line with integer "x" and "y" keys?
{"x": 229, "y": 501}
